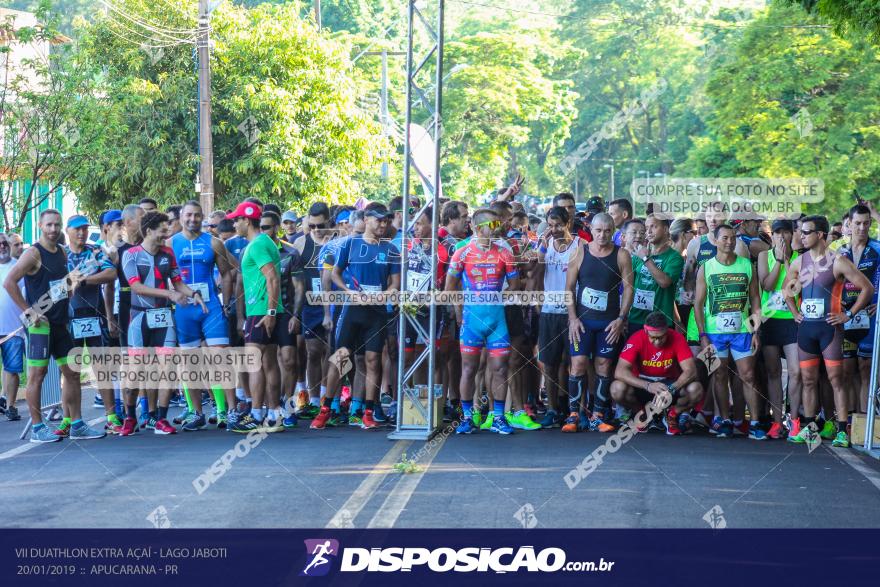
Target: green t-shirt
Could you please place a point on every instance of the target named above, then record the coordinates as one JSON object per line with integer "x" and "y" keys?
{"x": 727, "y": 296}
{"x": 649, "y": 296}
{"x": 259, "y": 252}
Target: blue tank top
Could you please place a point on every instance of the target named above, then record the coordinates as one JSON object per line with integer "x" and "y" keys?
{"x": 196, "y": 261}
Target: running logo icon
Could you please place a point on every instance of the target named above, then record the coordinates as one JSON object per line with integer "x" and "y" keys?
{"x": 319, "y": 554}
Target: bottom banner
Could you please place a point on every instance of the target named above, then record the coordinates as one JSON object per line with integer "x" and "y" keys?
{"x": 389, "y": 557}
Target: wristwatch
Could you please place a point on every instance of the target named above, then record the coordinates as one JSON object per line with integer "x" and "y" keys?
{"x": 849, "y": 314}
{"x": 271, "y": 312}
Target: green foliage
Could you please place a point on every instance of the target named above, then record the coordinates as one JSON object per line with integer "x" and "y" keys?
{"x": 285, "y": 123}
{"x": 847, "y": 15}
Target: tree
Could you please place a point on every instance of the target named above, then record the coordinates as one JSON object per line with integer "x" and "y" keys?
{"x": 42, "y": 95}
{"x": 285, "y": 123}
{"x": 848, "y": 15}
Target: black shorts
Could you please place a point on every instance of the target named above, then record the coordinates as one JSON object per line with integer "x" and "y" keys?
{"x": 820, "y": 338}
{"x": 284, "y": 337}
{"x": 48, "y": 340}
{"x": 856, "y": 336}
{"x": 533, "y": 324}
{"x": 779, "y": 332}
{"x": 142, "y": 336}
{"x": 258, "y": 335}
{"x": 850, "y": 349}
{"x": 643, "y": 395}
{"x": 361, "y": 329}
{"x": 516, "y": 322}
{"x": 391, "y": 320}
{"x": 552, "y": 338}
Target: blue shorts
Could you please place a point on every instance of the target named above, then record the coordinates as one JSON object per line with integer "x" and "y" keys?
{"x": 739, "y": 345}
{"x": 13, "y": 355}
{"x": 488, "y": 328}
{"x": 594, "y": 341}
{"x": 866, "y": 347}
{"x": 312, "y": 322}
{"x": 193, "y": 325}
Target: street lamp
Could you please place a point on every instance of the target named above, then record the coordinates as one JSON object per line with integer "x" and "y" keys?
{"x": 610, "y": 167}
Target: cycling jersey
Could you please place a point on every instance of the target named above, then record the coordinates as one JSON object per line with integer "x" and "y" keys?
{"x": 197, "y": 263}
{"x": 151, "y": 270}
{"x": 90, "y": 261}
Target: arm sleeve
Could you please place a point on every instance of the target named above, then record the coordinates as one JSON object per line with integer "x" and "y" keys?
{"x": 129, "y": 267}
{"x": 455, "y": 264}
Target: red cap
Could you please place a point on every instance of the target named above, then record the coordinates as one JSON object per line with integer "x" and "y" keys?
{"x": 246, "y": 209}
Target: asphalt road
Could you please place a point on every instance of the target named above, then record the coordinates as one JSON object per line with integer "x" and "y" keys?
{"x": 346, "y": 478}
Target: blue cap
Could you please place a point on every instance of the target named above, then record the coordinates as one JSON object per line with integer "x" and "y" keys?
{"x": 111, "y": 216}
{"x": 77, "y": 221}
{"x": 343, "y": 216}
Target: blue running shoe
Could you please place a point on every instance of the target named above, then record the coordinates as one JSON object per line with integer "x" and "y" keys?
{"x": 583, "y": 421}
{"x": 725, "y": 430}
{"x": 551, "y": 420}
{"x": 379, "y": 415}
{"x": 290, "y": 421}
{"x": 757, "y": 433}
{"x": 500, "y": 426}
{"x": 467, "y": 427}
{"x": 715, "y": 426}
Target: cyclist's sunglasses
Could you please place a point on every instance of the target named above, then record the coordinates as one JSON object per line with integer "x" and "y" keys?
{"x": 321, "y": 226}
{"x": 492, "y": 224}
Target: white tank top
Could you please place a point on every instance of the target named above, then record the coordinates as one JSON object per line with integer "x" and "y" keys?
{"x": 555, "y": 271}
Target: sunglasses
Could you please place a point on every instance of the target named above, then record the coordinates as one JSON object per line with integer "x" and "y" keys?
{"x": 267, "y": 227}
{"x": 492, "y": 224}
{"x": 318, "y": 226}
{"x": 808, "y": 232}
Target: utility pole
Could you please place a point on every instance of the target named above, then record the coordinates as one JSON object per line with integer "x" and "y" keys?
{"x": 206, "y": 146}
{"x": 318, "y": 13}
{"x": 384, "y": 114}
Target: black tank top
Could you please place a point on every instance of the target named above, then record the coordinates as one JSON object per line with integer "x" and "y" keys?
{"x": 598, "y": 286}
{"x": 706, "y": 251}
{"x": 823, "y": 293}
{"x": 311, "y": 271}
{"x": 50, "y": 281}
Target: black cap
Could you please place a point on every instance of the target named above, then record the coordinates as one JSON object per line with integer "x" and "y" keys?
{"x": 780, "y": 225}
{"x": 377, "y": 210}
{"x": 595, "y": 205}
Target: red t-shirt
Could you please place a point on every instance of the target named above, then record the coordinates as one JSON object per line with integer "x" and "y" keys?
{"x": 648, "y": 360}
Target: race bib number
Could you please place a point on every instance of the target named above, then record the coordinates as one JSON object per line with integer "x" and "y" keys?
{"x": 416, "y": 281}
{"x": 860, "y": 321}
{"x": 729, "y": 322}
{"x": 644, "y": 299}
{"x": 85, "y": 327}
{"x": 813, "y": 308}
{"x": 116, "y": 301}
{"x": 372, "y": 288}
{"x": 594, "y": 300}
{"x": 777, "y": 302}
{"x": 203, "y": 290}
{"x": 316, "y": 284}
{"x": 159, "y": 318}
{"x": 58, "y": 290}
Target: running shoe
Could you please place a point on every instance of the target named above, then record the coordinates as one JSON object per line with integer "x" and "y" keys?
{"x": 716, "y": 425}
{"x": 290, "y": 421}
{"x": 143, "y": 420}
{"x": 272, "y": 426}
{"x": 354, "y": 420}
{"x": 757, "y": 433}
{"x": 301, "y": 401}
{"x": 212, "y": 419}
{"x": 337, "y": 419}
{"x": 385, "y": 398}
{"x": 466, "y": 426}
{"x": 701, "y": 421}
{"x": 129, "y": 427}
{"x": 477, "y": 417}
{"x": 43, "y": 434}
{"x": 63, "y": 430}
{"x": 12, "y": 414}
{"x": 320, "y": 421}
{"x": 113, "y": 424}
{"x": 583, "y": 421}
{"x": 183, "y": 416}
{"x": 776, "y": 431}
{"x": 379, "y": 414}
{"x": 245, "y": 424}
{"x": 571, "y": 423}
{"x": 229, "y": 419}
{"x": 308, "y": 412}
{"x": 841, "y": 440}
{"x": 448, "y": 413}
{"x": 671, "y": 423}
{"x": 725, "y": 430}
{"x": 598, "y": 424}
{"x": 741, "y": 429}
{"x": 521, "y": 421}
{"x": 151, "y": 423}
{"x": 194, "y": 422}
{"x": 367, "y": 421}
{"x": 685, "y": 423}
{"x": 164, "y": 427}
{"x": 829, "y": 431}
{"x": 530, "y": 410}
{"x": 795, "y": 431}
{"x": 657, "y": 424}
{"x": 487, "y": 421}
{"x": 551, "y": 420}
{"x": 807, "y": 434}
{"x": 85, "y": 432}
{"x": 99, "y": 401}
{"x": 500, "y": 426}
{"x": 2, "y": 404}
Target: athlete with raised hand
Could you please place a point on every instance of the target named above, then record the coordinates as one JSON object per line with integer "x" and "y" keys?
{"x": 149, "y": 268}
{"x": 818, "y": 276}
{"x": 481, "y": 267}
{"x": 198, "y": 253}
{"x": 597, "y": 319}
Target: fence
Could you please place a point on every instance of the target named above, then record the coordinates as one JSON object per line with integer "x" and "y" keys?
{"x": 50, "y": 396}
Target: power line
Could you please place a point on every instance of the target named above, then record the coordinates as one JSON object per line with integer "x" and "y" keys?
{"x": 168, "y": 33}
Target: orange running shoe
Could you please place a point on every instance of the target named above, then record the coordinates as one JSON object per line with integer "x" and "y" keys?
{"x": 571, "y": 423}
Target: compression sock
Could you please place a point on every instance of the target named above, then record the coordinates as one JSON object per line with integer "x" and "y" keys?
{"x": 162, "y": 412}
{"x": 326, "y": 402}
{"x": 65, "y": 422}
{"x": 131, "y": 412}
{"x": 357, "y": 404}
{"x": 143, "y": 405}
{"x": 240, "y": 395}
{"x": 498, "y": 408}
{"x": 189, "y": 400}
{"x": 468, "y": 408}
{"x": 368, "y": 405}
{"x": 603, "y": 396}
{"x": 219, "y": 398}
{"x": 334, "y": 405}
{"x": 841, "y": 426}
{"x": 575, "y": 390}
{"x": 257, "y": 414}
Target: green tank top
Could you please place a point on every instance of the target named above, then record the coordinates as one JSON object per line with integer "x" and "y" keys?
{"x": 727, "y": 296}
{"x": 773, "y": 302}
